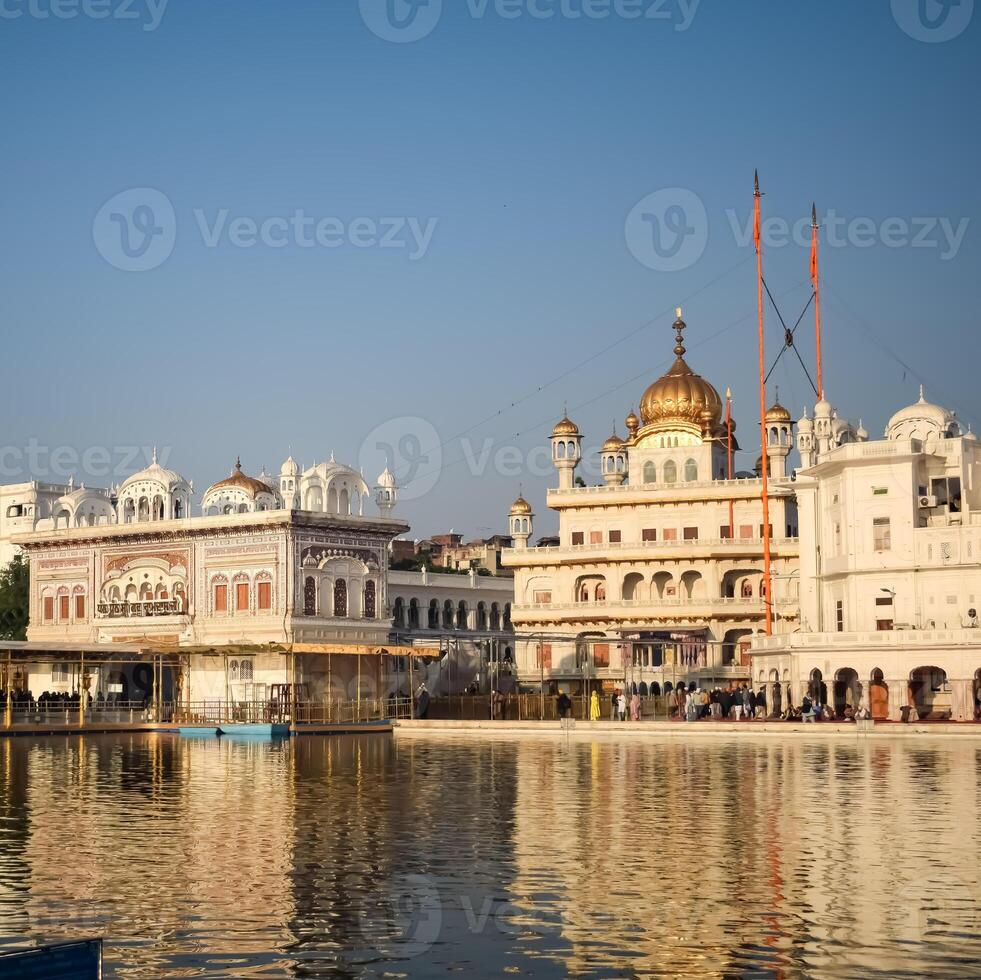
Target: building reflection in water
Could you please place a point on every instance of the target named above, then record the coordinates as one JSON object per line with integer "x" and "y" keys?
{"x": 368, "y": 856}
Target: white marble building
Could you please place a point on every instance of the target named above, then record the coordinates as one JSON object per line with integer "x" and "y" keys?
{"x": 249, "y": 572}
{"x": 890, "y": 569}
{"x": 653, "y": 583}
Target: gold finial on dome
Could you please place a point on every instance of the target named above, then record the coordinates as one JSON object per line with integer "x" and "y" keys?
{"x": 679, "y": 326}
{"x": 681, "y": 398}
{"x": 632, "y": 423}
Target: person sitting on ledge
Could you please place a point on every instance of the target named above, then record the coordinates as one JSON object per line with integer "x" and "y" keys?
{"x": 848, "y": 714}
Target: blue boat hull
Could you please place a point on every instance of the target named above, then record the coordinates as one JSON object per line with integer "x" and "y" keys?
{"x": 254, "y": 731}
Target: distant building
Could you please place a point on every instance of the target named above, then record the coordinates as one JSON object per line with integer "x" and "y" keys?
{"x": 25, "y": 507}
{"x": 467, "y": 616}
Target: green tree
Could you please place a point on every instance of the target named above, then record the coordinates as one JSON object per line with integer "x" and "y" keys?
{"x": 15, "y": 591}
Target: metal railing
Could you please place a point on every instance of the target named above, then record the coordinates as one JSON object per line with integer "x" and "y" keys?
{"x": 535, "y": 707}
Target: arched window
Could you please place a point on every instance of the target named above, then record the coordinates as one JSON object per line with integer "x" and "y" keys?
{"x": 650, "y": 472}
{"x": 461, "y": 616}
{"x": 448, "y": 614}
{"x": 433, "y": 620}
{"x": 310, "y": 597}
{"x": 601, "y": 593}
{"x": 369, "y": 600}
{"x": 481, "y": 616}
{"x": 413, "y": 614}
{"x": 495, "y": 617}
{"x": 340, "y": 598}
{"x": 560, "y": 450}
{"x": 691, "y": 471}
{"x": 670, "y": 471}
{"x": 398, "y": 612}
{"x": 245, "y": 671}
{"x": 747, "y": 589}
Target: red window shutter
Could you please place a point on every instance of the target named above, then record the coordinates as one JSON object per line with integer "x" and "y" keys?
{"x": 545, "y": 656}
{"x": 63, "y": 607}
{"x": 49, "y": 608}
{"x": 242, "y": 596}
{"x": 221, "y": 598}
{"x": 80, "y": 607}
{"x": 265, "y": 595}
{"x": 601, "y": 655}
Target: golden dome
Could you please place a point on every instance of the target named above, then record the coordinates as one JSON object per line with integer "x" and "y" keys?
{"x": 777, "y": 413}
{"x": 613, "y": 445}
{"x": 238, "y": 480}
{"x": 566, "y": 428}
{"x": 681, "y": 396}
{"x": 632, "y": 423}
{"x": 520, "y": 508}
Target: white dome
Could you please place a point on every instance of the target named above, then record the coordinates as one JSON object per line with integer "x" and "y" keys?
{"x": 805, "y": 424}
{"x": 922, "y": 420}
{"x": 387, "y": 480}
{"x": 155, "y": 473}
{"x": 823, "y": 409}
{"x": 289, "y": 468}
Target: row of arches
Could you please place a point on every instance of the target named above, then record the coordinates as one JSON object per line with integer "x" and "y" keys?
{"x": 344, "y": 503}
{"x": 449, "y": 615}
{"x": 739, "y": 583}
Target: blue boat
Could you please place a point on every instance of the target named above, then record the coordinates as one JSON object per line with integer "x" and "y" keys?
{"x": 62, "y": 961}
{"x": 231, "y": 730}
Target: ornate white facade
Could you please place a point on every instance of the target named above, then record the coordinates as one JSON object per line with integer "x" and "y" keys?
{"x": 652, "y": 582}
{"x": 249, "y": 572}
{"x": 890, "y": 568}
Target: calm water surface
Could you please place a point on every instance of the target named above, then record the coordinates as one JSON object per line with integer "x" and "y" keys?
{"x": 424, "y": 857}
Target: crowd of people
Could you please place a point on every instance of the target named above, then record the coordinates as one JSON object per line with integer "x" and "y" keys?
{"x": 737, "y": 702}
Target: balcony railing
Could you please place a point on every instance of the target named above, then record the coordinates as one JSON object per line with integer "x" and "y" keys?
{"x": 733, "y": 544}
{"x": 903, "y": 639}
{"x": 614, "y": 605}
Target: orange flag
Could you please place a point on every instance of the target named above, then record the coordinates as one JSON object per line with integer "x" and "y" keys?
{"x": 814, "y": 246}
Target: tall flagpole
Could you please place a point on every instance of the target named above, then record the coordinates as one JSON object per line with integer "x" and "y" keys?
{"x": 817, "y": 297}
{"x": 732, "y": 529}
{"x": 767, "y": 578}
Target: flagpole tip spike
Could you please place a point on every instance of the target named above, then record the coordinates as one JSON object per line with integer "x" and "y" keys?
{"x": 814, "y": 215}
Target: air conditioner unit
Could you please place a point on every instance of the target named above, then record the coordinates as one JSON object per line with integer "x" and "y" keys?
{"x": 928, "y": 501}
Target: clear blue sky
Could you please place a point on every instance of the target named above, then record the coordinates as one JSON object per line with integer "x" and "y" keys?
{"x": 530, "y": 141}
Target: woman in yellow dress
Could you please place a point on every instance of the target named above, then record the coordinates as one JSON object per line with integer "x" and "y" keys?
{"x": 594, "y": 707}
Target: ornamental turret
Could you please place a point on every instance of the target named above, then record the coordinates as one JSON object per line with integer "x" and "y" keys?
{"x": 613, "y": 460}
{"x": 521, "y": 522}
{"x": 566, "y": 451}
